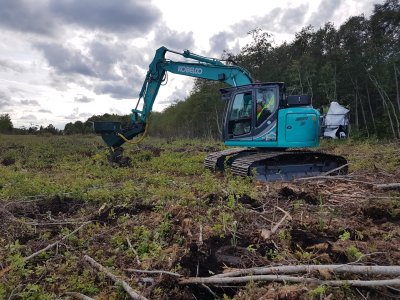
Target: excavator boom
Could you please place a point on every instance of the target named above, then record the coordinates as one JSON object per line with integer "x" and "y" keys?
{"x": 203, "y": 67}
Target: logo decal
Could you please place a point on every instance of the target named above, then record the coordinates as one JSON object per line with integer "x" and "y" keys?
{"x": 191, "y": 70}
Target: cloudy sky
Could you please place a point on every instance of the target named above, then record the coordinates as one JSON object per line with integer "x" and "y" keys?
{"x": 65, "y": 60}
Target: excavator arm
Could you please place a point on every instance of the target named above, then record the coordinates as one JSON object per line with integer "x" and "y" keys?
{"x": 202, "y": 67}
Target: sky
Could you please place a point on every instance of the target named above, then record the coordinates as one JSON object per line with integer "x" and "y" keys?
{"x": 65, "y": 60}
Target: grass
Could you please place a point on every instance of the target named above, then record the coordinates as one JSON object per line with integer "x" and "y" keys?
{"x": 159, "y": 205}
{"x": 366, "y": 155}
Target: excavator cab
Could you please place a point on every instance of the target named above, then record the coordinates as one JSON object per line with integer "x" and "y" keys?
{"x": 261, "y": 115}
{"x": 251, "y": 110}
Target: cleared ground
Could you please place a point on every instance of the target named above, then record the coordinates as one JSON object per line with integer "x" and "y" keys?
{"x": 166, "y": 212}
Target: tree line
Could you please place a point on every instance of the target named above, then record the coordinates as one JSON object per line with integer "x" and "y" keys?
{"x": 86, "y": 127}
{"x": 7, "y": 127}
{"x": 77, "y": 127}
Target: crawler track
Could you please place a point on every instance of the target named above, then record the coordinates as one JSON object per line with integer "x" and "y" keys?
{"x": 274, "y": 165}
{"x": 216, "y": 160}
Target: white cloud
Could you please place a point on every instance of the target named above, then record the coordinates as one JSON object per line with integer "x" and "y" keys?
{"x": 29, "y": 102}
{"x": 30, "y": 118}
{"x": 83, "y": 99}
{"x": 44, "y": 111}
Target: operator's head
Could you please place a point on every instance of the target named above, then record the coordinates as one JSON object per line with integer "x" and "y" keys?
{"x": 269, "y": 95}
{"x": 261, "y": 97}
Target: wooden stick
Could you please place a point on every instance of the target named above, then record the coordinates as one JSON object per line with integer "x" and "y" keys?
{"x": 334, "y": 170}
{"x": 266, "y": 234}
{"x": 275, "y": 228}
{"x": 388, "y": 186}
{"x": 283, "y": 278}
{"x": 133, "y": 250}
{"x": 285, "y": 212}
{"x": 201, "y": 235}
{"x": 355, "y": 269}
{"x": 131, "y": 292}
{"x": 153, "y": 272}
{"x": 78, "y": 296}
{"x": 7, "y": 269}
{"x": 210, "y": 290}
{"x": 335, "y": 178}
{"x": 51, "y": 223}
{"x": 55, "y": 243}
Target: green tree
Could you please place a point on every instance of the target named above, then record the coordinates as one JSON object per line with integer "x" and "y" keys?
{"x": 5, "y": 123}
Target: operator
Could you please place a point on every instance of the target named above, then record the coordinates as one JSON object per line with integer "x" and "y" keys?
{"x": 265, "y": 105}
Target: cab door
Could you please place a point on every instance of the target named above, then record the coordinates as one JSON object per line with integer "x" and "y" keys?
{"x": 266, "y": 103}
{"x": 239, "y": 118}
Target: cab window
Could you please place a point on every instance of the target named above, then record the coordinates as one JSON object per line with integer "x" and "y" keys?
{"x": 266, "y": 102}
{"x": 241, "y": 114}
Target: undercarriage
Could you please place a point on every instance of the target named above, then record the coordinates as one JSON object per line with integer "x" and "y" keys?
{"x": 276, "y": 165}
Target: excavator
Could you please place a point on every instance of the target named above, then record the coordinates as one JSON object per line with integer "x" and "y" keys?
{"x": 269, "y": 132}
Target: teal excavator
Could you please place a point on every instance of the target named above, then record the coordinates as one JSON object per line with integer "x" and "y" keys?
{"x": 262, "y": 124}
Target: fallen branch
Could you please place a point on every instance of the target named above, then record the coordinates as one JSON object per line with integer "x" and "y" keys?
{"x": 201, "y": 234}
{"x": 283, "y": 278}
{"x": 55, "y": 243}
{"x": 153, "y": 272}
{"x": 131, "y": 292}
{"x": 266, "y": 234}
{"x": 388, "y": 186}
{"x": 334, "y": 170}
{"x": 78, "y": 296}
{"x": 25, "y": 259}
{"x": 35, "y": 198}
{"x": 365, "y": 197}
{"x": 210, "y": 291}
{"x": 52, "y": 223}
{"x": 342, "y": 178}
{"x": 355, "y": 269}
{"x": 133, "y": 250}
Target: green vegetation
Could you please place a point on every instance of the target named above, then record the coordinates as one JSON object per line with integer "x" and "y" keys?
{"x": 151, "y": 214}
{"x": 353, "y": 253}
{"x": 5, "y": 123}
{"x": 318, "y": 292}
{"x": 86, "y": 127}
{"x": 70, "y": 176}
